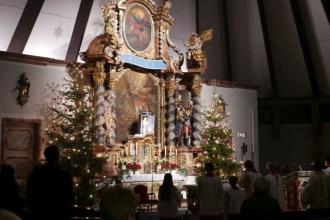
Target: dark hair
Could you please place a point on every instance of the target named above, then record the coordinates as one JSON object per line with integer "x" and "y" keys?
{"x": 117, "y": 203}
{"x": 327, "y": 159}
{"x": 166, "y": 188}
{"x": 7, "y": 170}
{"x": 318, "y": 165}
{"x": 209, "y": 167}
{"x": 52, "y": 153}
{"x": 249, "y": 165}
{"x": 233, "y": 181}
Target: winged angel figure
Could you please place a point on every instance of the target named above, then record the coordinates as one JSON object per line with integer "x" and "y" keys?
{"x": 195, "y": 44}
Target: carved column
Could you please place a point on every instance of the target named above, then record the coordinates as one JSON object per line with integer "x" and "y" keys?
{"x": 170, "y": 116}
{"x": 197, "y": 110}
{"x": 111, "y": 117}
{"x": 99, "y": 77}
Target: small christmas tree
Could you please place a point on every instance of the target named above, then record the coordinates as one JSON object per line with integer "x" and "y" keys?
{"x": 217, "y": 139}
{"x": 70, "y": 128}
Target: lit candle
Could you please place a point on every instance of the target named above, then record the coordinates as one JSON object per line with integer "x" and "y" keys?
{"x": 135, "y": 150}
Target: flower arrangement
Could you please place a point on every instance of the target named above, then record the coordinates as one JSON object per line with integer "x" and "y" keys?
{"x": 133, "y": 166}
{"x": 168, "y": 166}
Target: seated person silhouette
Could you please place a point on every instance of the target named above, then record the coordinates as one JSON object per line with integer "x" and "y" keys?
{"x": 9, "y": 191}
{"x": 261, "y": 205}
{"x": 118, "y": 203}
{"x": 50, "y": 188}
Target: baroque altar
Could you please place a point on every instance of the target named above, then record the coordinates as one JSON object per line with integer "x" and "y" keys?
{"x": 147, "y": 111}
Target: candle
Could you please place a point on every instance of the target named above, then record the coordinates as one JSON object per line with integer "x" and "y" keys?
{"x": 252, "y": 130}
{"x": 165, "y": 151}
{"x": 135, "y": 150}
{"x": 176, "y": 152}
{"x": 159, "y": 150}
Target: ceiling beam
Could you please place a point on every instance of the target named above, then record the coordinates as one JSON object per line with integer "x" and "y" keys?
{"x": 306, "y": 49}
{"x": 79, "y": 29}
{"x": 25, "y": 26}
{"x": 227, "y": 39}
{"x": 268, "y": 47}
{"x": 197, "y": 16}
{"x": 326, "y": 6}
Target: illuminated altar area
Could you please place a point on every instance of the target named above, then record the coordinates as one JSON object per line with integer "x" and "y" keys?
{"x": 147, "y": 111}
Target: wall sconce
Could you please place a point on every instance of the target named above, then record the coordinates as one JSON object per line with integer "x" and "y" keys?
{"x": 23, "y": 87}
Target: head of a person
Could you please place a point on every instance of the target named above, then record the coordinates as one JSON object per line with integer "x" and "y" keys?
{"x": 209, "y": 167}
{"x": 271, "y": 167}
{"x": 261, "y": 186}
{"x": 52, "y": 154}
{"x": 249, "y": 165}
{"x": 168, "y": 180}
{"x": 317, "y": 165}
{"x": 327, "y": 161}
{"x": 233, "y": 180}
{"x": 118, "y": 203}
{"x": 7, "y": 171}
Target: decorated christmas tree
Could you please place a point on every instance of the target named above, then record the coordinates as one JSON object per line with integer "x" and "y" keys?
{"x": 217, "y": 139}
{"x": 70, "y": 121}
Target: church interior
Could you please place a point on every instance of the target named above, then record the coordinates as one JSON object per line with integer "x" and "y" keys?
{"x": 129, "y": 90}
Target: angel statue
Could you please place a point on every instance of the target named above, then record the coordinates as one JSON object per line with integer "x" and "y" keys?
{"x": 195, "y": 54}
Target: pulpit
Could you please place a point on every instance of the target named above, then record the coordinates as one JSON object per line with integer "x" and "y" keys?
{"x": 292, "y": 185}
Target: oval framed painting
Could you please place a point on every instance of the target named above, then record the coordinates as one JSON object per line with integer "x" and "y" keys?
{"x": 138, "y": 27}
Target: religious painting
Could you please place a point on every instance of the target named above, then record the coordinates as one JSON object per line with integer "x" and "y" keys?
{"x": 136, "y": 93}
{"x": 138, "y": 27}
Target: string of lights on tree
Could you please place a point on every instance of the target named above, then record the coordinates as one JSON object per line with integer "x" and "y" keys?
{"x": 70, "y": 127}
{"x": 217, "y": 143}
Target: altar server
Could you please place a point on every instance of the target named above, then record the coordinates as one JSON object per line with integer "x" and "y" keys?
{"x": 210, "y": 195}
{"x": 249, "y": 177}
{"x": 233, "y": 196}
{"x": 276, "y": 184}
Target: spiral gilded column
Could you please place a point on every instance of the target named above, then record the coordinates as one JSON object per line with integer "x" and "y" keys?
{"x": 99, "y": 77}
{"x": 170, "y": 119}
{"x": 111, "y": 100}
{"x": 197, "y": 111}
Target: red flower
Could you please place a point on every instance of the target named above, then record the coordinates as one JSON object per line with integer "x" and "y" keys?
{"x": 133, "y": 166}
{"x": 168, "y": 166}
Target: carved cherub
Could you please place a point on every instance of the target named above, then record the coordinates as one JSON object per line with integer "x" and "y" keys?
{"x": 194, "y": 45}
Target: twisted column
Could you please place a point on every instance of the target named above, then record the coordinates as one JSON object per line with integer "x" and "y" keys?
{"x": 197, "y": 111}
{"x": 170, "y": 120}
{"x": 111, "y": 100}
{"x": 99, "y": 77}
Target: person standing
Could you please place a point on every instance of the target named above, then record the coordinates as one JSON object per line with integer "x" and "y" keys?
{"x": 260, "y": 205}
{"x": 276, "y": 184}
{"x": 327, "y": 166}
{"x": 118, "y": 203}
{"x": 233, "y": 196}
{"x": 316, "y": 192}
{"x": 50, "y": 188}
{"x": 9, "y": 191}
{"x": 169, "y": 199}
{"x": 210, "y": 191}
{"x": 249, "y": 177}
